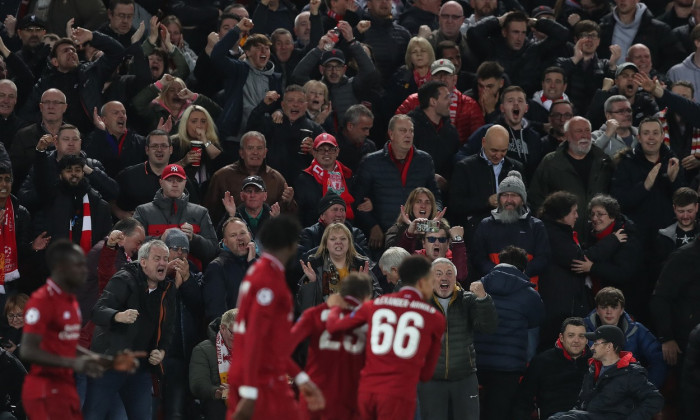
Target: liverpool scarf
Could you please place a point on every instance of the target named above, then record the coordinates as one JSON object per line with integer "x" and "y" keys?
{"x": 336, "y": 181}
{"x": 223, "y": 358}
{"x": 8, "y": 259}
{"x": 695, "y": 145}
{"x": 86, "y": 231}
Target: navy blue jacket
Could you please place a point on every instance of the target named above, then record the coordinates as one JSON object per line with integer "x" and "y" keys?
{"x": 519, "y": 308}
{"x": 222, "y": 279}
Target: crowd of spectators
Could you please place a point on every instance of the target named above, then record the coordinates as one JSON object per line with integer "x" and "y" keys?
{"x": 561, "y": 134}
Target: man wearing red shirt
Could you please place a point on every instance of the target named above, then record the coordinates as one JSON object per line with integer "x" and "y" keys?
{"x": 262, "y": 334}
{"x": 335, "y": 360}
{"x": 405, "y": 340}
{"x": 52, "y": 323}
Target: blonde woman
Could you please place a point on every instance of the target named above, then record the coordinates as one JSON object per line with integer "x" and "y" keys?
{"x": 335, "y": 258}
{"x": 409, "y": 77}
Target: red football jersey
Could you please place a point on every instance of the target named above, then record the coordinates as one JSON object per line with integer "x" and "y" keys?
{"x": 405, "y": 335}
{"x": 53, "y": 314}
{"x": 333, "y": 363}
{"x": 261, "y": 354}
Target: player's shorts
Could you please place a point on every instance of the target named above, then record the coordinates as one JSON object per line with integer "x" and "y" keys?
{"x": 376, "y": 406}
{"x": 331, "y": 412}
{"x": 59, "y": 402}
{"x": 274, "y": 402}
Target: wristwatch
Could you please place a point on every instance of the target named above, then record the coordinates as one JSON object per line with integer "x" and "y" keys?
{"x": 457, "y": 238}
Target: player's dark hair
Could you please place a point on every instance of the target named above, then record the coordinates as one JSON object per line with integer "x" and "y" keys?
{"x": 414, "y": 268}
{"x": 279, "y": 233}
{"x": 357, "y": 285}
{"x": 683, "y": 196}
{"x": 513, "y": 255}
{"x": 127, "y": 226}
{"x": 572, "y": 320}
{"x": 59, "y": 251}
{"x": 429, "y": 90}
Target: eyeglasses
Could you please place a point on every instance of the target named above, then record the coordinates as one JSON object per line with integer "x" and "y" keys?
{"x": 598, "y": 343}
{"x": 558, "y": 115}
{"x": 326, "y": 150}
{"x": 599, "y": 215}
{"x": 158, "y": 146}
{"x": 179, "y": 249}
{"x": 452, "y": 17}
{"x": 54, "y": 103}
{"x": 589, "y": 35}
{"x": 622, "y": 111}
{"x": 432, "y": 239}
{"x": 15, "y": 316}
{"x": 124, "y": 16}
{"x": 333, "y": 68}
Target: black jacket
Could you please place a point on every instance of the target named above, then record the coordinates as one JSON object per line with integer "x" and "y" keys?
{"x": 116, "y": 153}
{"x": 584, "y": 79}
{"x": 621, "y": 392}
{"x": 412, "y": 18}
{"x": 553, "y": 380}
{"x": 388, "y": 40}
{"x": 128, "y": 289}
{"x": 674, "y": 304}
{"x": 139, "y": 184}
{"x": 310, "y": 239}
{"x": 441, "y": 144}
{"x": 473, "y": 182}
{"x": 656, "y": 35}
{"x": 221, "y": 282}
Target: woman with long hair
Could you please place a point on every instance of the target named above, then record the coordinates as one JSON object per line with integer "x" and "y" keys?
{"x": 420, "y": 203}
{"x": 335, "y": 258}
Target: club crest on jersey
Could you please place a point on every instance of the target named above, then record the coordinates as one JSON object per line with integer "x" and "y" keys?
{"x": 66, "y": 315}
{"x": 265, "y": 296}
{"x": 32, "y": 316}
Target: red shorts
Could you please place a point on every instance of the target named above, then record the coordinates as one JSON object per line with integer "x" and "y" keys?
{"x": 331, "y": 412}
{"x": 276, "y": 402}
{"x": 376, "y": 406}
{"x": 48, "y": 401}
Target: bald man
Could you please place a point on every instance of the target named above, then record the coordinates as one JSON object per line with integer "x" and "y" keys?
{"x": 474, "y": 196}
{"x": 111, "y": 142}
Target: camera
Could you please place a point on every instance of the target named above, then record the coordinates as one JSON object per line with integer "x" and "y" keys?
{"x": 431, "y": 226}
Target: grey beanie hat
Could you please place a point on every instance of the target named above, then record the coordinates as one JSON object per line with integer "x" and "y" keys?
{"x": 513, "y": 183}
{"x": 176, "y": 238}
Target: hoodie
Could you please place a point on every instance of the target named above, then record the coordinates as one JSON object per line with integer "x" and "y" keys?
{"x": 623, "y": 34}
{"x": 255, "y": 87}
{"x": 687, "y": 70}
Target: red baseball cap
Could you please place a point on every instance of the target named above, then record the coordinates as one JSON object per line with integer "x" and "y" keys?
{"x": 173, "y": 170}
{"x": 324, "y": 138}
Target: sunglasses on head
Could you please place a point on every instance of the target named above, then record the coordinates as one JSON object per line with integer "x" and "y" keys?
{"x": 432, "y": 239}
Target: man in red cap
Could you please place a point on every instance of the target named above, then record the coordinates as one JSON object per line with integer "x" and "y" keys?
{"x": 324, "y": 174}
{"x": 171, "y": 208}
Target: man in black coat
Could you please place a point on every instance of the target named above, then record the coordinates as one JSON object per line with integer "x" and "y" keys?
{"x": 616, "y": 385}
{"x": 553, "y": 378}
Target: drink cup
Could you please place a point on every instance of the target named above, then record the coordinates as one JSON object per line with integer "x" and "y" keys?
{"x": 197, "y": 148}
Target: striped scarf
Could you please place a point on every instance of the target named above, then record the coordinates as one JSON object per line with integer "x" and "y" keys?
{"x": 86, "y": 234}
{"x": 695, "y": 144}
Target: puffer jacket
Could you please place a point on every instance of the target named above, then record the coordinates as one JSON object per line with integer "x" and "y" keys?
{"x": 379, "y": 180}
{"x": 621, "y": 392}
{"x": 519, "y": 309}
{"x": 465, "y": 315}
{"x": 640, "y": 342}
{"x": 163, "y": 213}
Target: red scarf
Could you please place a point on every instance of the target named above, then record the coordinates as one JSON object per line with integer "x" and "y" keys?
{"x": 335, "y": 16}
{"x": 402, "y": 166}
{"x": 335, "y": 181}
{"x": 8, "y": 241}
{"x": 86, "y": 234}
{"x": 607, "y": 231}
{"x": 420, "y": 79}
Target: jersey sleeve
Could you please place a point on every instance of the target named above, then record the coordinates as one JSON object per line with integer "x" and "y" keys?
{"x": 36, "y": 316}
{"x": 336, "y": 322}
{"x": 303, "y": 327}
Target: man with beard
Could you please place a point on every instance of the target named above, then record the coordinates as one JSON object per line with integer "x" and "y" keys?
{"x": 576, "y": 167}
{"x": 642, "y": 104}
{"x": 31, "y": 30}
{"x": 553, "y": 378}
{"x": 616, "y": 386}
{"x": 246, "y": 82}
{"x": 224, "y": 274}
{"x": 617, "y": 133}
{"x": 684, "y": 230}
{"x": 43, "y": 175}
{"x": 511, "y": 223}
{"x": 482, "y": 9}
{"x": 73, "y": 210}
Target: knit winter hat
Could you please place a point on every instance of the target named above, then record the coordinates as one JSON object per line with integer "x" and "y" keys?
{"x": 513, "y": 183}
{"x": 328, "y": 200}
